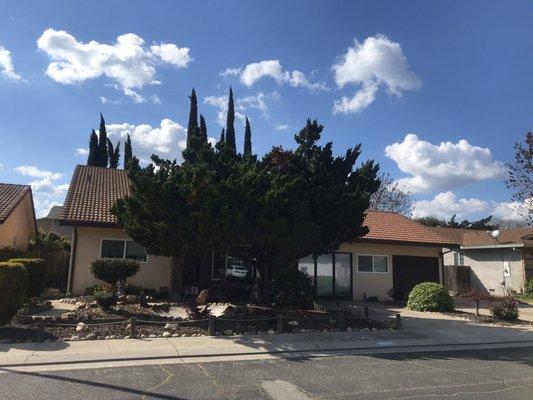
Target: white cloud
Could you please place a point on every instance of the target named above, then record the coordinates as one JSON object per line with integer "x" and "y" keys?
{"x": 445, "y": 205}
{"x": 128, "y": 62}
{"x": 442, "y": 167}
{"x": 257, "y": 102}
{"x": 43, "y": 206}
{"x": 253, "y": 72}
{"x": 7, "y": 69}
{"x": 81, "y": 152}
{"x": 282, "y": 127}
{"x": 105, "y": 100}
{"x": 231, "y": 71}
{"x": 172, "y": 54}
{"x": 377, "y": 61}
{"x": 46, "y": 191}
{"x": 29, "y": 170}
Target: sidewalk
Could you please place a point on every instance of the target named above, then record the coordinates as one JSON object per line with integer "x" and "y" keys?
{"x": 422, "y": 332}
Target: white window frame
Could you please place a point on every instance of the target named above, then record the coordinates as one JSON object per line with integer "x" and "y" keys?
{"x": 124, "y": 251}
{"x": 373, "y": 271}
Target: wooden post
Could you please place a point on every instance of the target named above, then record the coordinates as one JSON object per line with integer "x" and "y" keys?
{"x": 341, "y": 320}
{"x": 367, "y": 312}
{"x": 40, "y": 329}
{"x": 398, "y": 321}
{"x": 132, "y": 327}
{"x": 280, "y": 323}
{"x": 211, "y": 325}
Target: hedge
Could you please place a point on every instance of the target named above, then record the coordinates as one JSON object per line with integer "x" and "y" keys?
{"x": 13, "y": 287}
{"x": 36, "y": 268}
{"x": 430, "y": 296}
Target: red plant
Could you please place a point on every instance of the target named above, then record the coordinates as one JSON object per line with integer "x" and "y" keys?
{"x": 477, "y": 296}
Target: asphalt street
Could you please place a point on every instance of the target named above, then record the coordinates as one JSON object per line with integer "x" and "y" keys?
{"x": 481, "y": 374}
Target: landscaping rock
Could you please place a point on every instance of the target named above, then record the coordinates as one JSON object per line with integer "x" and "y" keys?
{"x": 75, "y": 337}
{"x": 271, "y": 332}
{"x": 228, "y": 332}
{"x": 152, "y": 336}
{"x": 167, "y": 334}
{"x": 202, "y": 298}
{"x": 292, "y": 323}
{"x": 91, "y": 336}
{"x": 175, "y": 335}
{"x": 81, "y": 327}
{"x": 170, "y": 326}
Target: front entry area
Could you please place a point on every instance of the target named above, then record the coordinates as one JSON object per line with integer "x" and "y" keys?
{"x": 409, "y": 271}
{"x": 331, "y": 274}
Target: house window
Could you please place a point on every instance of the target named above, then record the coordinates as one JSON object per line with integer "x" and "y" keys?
{"x": 370, "y": 263}
{"x": 118, "y": 248}
{"x": 458, "y": 258}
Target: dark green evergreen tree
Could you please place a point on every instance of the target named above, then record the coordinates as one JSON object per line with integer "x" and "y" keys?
{"x": 203, "y": 129}
{"x": 230, "y": 124}
{"x": 247, "y": 139}
{"x": 92, "y": 159}
{"x": 103, "y": 155}
{"x": 128, "y": 152}
{"x": 192, "y": 126}
{"x": 113, "y": 153}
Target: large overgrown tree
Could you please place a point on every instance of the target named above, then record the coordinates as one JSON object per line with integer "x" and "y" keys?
{"x": 103, "y": 155}
{"x": 520, "y": 180}
{"x": 480, "y": 224}
{"x": 391, "y": 197}
{"x": 93, "y": 157}
{"x": 268, "y": 212}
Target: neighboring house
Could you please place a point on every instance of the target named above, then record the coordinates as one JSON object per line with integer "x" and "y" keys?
{"x": 497, "y": 263}
{"x": 50, "y": 223}
{"x": 17, "y": 216}
{"x": 96, "y": 233}
{"x": 396, "y": 254}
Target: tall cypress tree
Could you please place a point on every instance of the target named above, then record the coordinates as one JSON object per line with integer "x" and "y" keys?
{"x": 128, "y": 152}
{"x": 92, "y": 159}
{"x": 203, "y": 129}
{"x": 230, "y": 122}
{"x": 102, "y": 144}
{"x": 247, "y": 139}
{"x": 113, "y": 153}
{"x": 193, "y": 118}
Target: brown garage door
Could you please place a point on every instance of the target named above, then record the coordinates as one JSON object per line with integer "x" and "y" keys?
{"x": 409, "y": 271}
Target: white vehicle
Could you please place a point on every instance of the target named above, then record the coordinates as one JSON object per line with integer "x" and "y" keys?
{"x": 238, "y": 271}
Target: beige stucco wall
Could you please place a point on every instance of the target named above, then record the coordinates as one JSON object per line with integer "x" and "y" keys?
{"x": 19, "y": 228}
{"x": 378, "y": 284}
{"x": 486, "y": 269}
{"x": 154, "y": 273}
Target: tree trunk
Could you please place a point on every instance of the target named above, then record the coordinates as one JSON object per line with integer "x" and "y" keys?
{"x": 176, "y": 277}
{"x": 261, "y": 281}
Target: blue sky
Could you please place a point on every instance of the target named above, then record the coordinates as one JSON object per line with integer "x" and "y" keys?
{"x": 436, "y": 92}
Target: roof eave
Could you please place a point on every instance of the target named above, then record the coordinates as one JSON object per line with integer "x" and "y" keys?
{"x": 405, "y": 243}
{"x": 493, "y": 246}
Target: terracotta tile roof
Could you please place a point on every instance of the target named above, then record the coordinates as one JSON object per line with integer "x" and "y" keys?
{"x": 397, "y": 228}
{"x": 470, "y": 237}
{"x": 10, "y": 196}
{"x": 92, "y": 193}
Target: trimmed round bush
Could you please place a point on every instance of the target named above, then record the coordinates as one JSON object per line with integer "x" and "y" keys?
{"x": 36, "y": 269}
{"x": 111, "y": 270}
{"x": 13, "y": 287}
{"x": 505, "y": 309}
{"x": 430, "y": 296}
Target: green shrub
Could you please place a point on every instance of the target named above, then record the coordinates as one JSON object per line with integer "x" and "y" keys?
{"x": 104, "y": 296}
{"x": 528, "y": 287}
{"x": 292, "y": 288}
{"x": 111, "y": 270}
{"x": 36, "y": 269}
{"x": 429, "y": 296}
{"x": 13, "y": 287}
{"x": 505, "y": 309}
